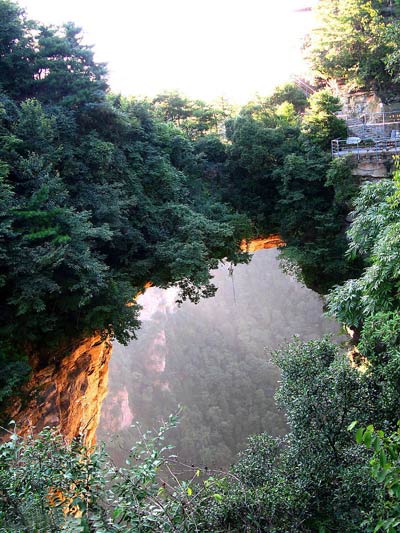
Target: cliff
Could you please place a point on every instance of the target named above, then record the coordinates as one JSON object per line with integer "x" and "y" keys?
{"x": 261, "y": 243}
{"x": 67, "y": 389}
{"x": 66, "y": 392}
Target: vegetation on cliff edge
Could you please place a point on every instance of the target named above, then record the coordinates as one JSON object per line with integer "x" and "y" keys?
{"x": 100, "y": 194}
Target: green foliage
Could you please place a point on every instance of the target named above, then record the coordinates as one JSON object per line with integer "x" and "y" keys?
{"x": 16, "y": 50}
{"x": 279, "y": 171}
{"x": 374, "y": 235}
{"x": 380, "y": 345}
{"x": 289, "y": 93}
{"x": 320, "y": 123}
{"x": 53, "y": 486}
{"x": 314, "y": 378}
{"x": 194, "y": 117}
{"x": 65, "y": 70}
{"x": 47, "y": 63}
{"x": 345, "y": 185}
{"x": 256, "y": 151}
{"x": 44, "y": 481}
{"x": 316, "y": 479}
{"x": 105, "y": 194}
{"x": 385, "y": 468}
{"x": 99, "y": 196}
{"x": 15, "y": 370}
{"x": 371, "y": 304}
{"x": 355, "y": 41}
{"x": 392, "y": 58}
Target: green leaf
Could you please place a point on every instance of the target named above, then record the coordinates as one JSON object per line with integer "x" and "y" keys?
{"x": 376, "y": 443}
{"x": 382, "y": 458}
{"x": 367, "y": 438}
{"x": 380, "y": 477}
{"x": 378, "y": 526}
{"x": 359, "y": 435}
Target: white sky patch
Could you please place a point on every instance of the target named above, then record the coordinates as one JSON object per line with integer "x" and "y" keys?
{"x": 205, "y": 49}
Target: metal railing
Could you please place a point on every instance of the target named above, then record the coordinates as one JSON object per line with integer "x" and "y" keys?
{"x": 365, "y": 148}
{"x": 376, "y": 126}
{"x": 382, "y": 117}
{"x": 374, "y": 131}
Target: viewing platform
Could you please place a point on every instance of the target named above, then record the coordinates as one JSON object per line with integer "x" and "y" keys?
{"x": 374, "y": 137}
{"x": 371, "y": 148}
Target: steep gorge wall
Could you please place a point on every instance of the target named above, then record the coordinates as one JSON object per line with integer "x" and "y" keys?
{"x": 360, "y": 103}
{"x": 66, "y": 392}
{"x": 262, "y": 243}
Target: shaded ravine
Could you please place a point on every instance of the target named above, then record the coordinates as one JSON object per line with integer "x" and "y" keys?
{"x": 69, "y": 390}
{"x": 66, "y": 388}
{"x": 212, "y": 358}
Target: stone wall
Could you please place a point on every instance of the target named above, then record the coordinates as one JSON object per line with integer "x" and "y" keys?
{"x": 369, "y": 168}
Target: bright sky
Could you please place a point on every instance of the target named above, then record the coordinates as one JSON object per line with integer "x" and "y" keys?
{"x": 204, "y": 48}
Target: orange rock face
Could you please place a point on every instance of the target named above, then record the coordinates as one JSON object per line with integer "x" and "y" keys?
{"x": 146, "y": 286}
{"x": 261, "y": 243}
{"x": 67, "y": 392}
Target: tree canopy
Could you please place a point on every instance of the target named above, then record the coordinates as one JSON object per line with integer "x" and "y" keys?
{"x": 355, "y": 42}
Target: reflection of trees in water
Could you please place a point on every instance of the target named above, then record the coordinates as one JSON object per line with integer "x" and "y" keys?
{"x": 211, "y": 359}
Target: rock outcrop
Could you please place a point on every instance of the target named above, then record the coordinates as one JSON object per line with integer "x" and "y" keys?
{"x": 117, "y": 414}
{"x": 261, "y": 243}
{"x": 370, "y": 168}
{"x": 66, "y": 392}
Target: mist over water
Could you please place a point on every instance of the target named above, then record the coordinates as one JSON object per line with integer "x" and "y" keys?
{"x": 213, "y": 359}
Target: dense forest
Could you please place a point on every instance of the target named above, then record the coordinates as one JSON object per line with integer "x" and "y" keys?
{"x": 101, "y": 194}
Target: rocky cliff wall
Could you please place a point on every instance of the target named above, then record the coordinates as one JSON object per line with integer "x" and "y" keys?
{"x": 361, "y": 103}
{"x": 357, "y": 103}
{"x": 370, "y": 168}
{"x": 67, "y": 392}
{"x": 261, "y": 243}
